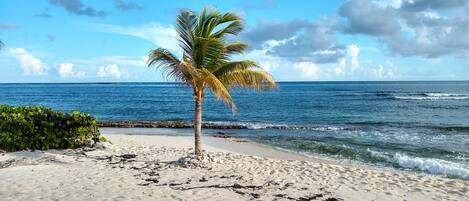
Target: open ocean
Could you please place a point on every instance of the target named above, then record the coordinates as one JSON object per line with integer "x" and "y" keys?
{"x": 419, "y": 126}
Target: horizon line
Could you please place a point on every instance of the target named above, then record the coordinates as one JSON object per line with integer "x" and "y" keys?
{"x": 168, "y": 82}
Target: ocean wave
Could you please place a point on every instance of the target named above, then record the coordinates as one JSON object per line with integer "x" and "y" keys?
{"x": 397, "y": 160}
{"x": 255, "y": 126}
{"x": 433, "y": 96}
{"x": 431, "y": 165}
{"x": 445, "y": 95}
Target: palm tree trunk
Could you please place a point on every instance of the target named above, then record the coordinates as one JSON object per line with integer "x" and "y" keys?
{"x": 198, "y": 124}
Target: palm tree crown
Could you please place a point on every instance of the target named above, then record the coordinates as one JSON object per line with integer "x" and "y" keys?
{"x": 206, "y": 59}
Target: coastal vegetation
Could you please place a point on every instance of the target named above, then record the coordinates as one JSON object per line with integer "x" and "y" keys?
{"x": 39, "y": 128}
{"x": 206, "y": 61}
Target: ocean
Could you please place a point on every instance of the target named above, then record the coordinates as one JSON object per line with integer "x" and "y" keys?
{"x": 417, "y": 126}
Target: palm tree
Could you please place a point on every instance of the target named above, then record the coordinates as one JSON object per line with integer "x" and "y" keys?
{"x": 206, "y": 60}
{"x": 1, "y": 44}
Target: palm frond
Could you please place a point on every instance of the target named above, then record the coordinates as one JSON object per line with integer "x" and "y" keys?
{"x": 171, "y": 67}
{"x": 235, "y": 47}
{"x": 207, "y": 21}
{"x": 185, "y": 23}
{"x": 219, "y": 90}
{"x": 233, "y": 28}
{"x": 208, "y": 52}
{"x": 232, "y": 66}
{"x": 246, "y": 78}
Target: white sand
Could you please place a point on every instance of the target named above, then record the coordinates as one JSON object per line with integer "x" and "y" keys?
{"x": 154, "y": 174}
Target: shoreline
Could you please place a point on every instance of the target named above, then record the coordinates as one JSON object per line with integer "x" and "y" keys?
{"x": 143, "y": 167}
{"x": 248, "y": 147}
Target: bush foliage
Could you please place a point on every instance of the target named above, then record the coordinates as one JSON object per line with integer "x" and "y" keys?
{"x": 42, "y": 128}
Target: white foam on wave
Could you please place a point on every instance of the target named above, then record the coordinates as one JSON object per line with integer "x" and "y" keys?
{"x": 432, "y": 97}
{"x": 255, "y": 126}
{"x": 431, "y": 165}
{"x": 445, "y": 95}
{"x": 377, "y": 154}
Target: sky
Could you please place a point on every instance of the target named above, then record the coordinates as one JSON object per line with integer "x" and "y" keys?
{"x": 315, "y": 40}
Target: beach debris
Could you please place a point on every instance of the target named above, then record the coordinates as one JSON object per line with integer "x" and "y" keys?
{"x": 333, "y": 199}
{"x": 119, "y": 160}
{"x": 203, "y": 179}
{"x": 165, "y": 124}
{"x": 127, "y": 156}
{"x": 27, "y": 158}
{"x": 7, "y": 163}
{"x": 286, "y": 186}
{"x": 194, "y": 161}
{"x": 316, "y": 196}
{"x": 222, "y": 135}
{"x": 92, "y": 146}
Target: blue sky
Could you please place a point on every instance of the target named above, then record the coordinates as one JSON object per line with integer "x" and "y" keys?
{"x": 102, "y": 41}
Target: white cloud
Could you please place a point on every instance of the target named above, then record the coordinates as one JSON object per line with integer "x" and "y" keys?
{"x": 111, "y": 71}
{"x": 341, "y": 67}
{"x": 66, "y": 70}
{"x": 266, "y": 65}
{"x": 125, "y": 60}
{"x": 349, "y": 62}
{"x": 429, "y": 14}
{"x": 29, "y": 64}
{"x": 352, "y": 56}
{"x": 160, "y": 35}
{"x": 308, "y": 70}
{"x": 389, "y": 3}
{"x": 268, "y": 62}
{"x": 384, "y": 72}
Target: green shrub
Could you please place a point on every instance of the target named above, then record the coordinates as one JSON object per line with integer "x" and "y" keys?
{"x": 42, "y": 128}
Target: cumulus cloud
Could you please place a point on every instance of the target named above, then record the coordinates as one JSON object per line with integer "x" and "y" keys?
{"x": 295, "y": 40}
{"x": 414, "y": 28}
{"x": 420, "y": 5}
{"x": 423, "y": 28}
{"x": 274, "y": 30}
{"x": 78, "y": 8}
{"x": 111, "y": 71}
{"x": 382, "y": 73}
{"x": 308, "y": 70}
{"x": 29, "y": 64}
{"x": 162, "y": 36}
{"x": 365, "y": 17}
{"x": 352, "y": 56}
{"x": 389, "y": 3}
{"x": 65, "y": 70}
{"x": 127, "y": 6}
{"x": 350, "y": 62}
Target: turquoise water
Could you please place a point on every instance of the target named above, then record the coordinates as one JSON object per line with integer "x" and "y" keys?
{"x": 420, "y": 126}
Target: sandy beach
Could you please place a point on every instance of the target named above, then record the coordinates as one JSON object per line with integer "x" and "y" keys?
{"x": 144, "y": 167}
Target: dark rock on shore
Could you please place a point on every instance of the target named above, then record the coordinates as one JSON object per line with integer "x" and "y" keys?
{"x": 164, "y": 124}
